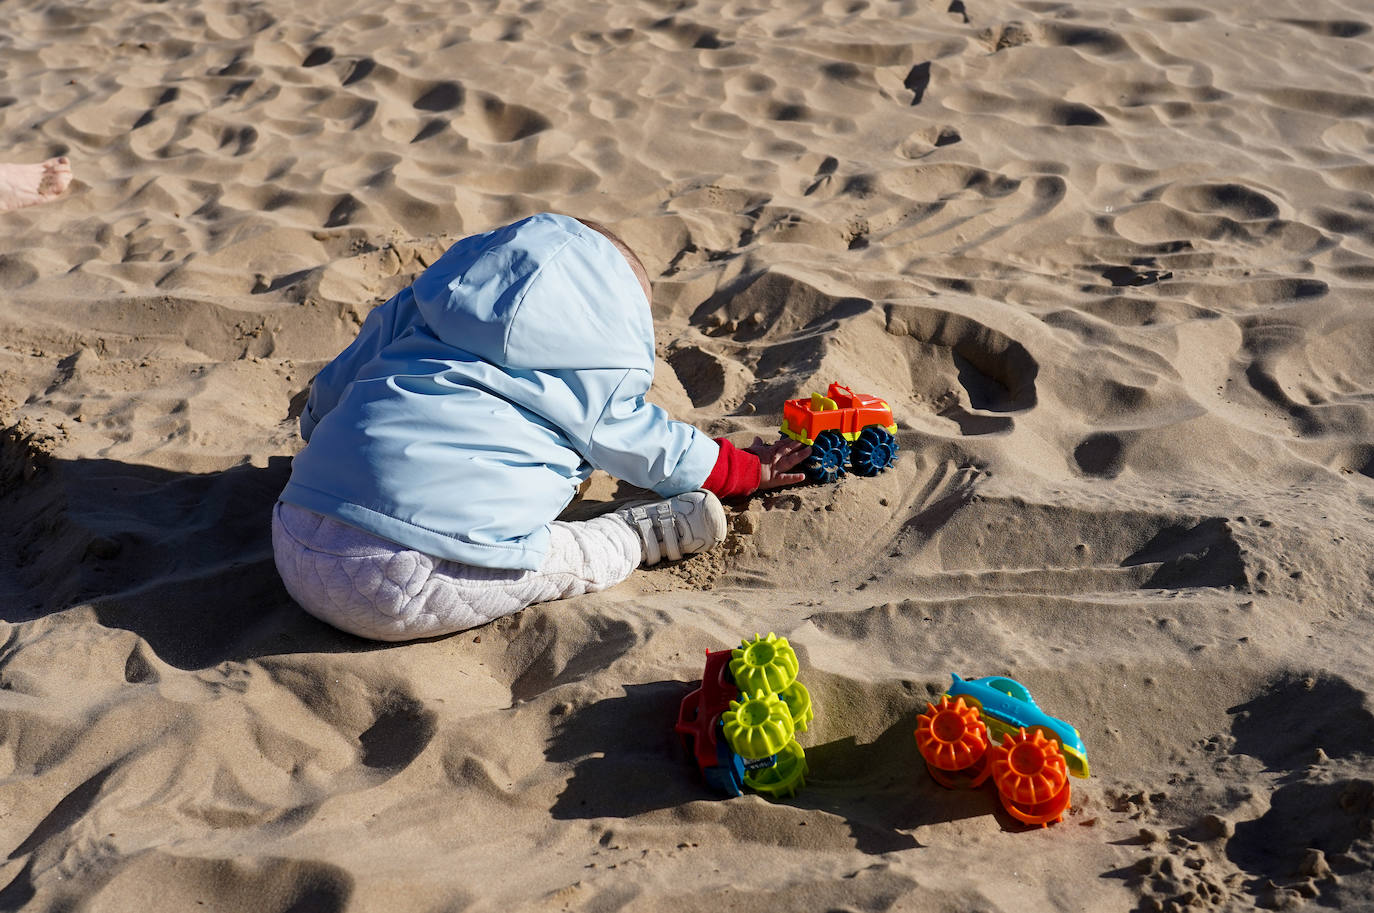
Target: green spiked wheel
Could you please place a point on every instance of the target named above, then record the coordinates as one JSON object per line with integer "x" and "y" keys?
{"x": 798, "y": 701}
{"x": 757, "y": 727}
{"x": 763, "y": 664}
{"x": 785, "y": 777}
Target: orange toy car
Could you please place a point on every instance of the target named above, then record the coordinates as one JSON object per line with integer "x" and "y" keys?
{"x": 843, "y": 428}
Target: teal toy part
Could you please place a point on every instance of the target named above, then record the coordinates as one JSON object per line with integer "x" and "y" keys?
{"x": 1011, "y": 687}
{"x": 1006, "y": 707}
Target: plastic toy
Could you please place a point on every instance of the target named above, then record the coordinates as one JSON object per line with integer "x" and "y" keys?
{"x": 1029, "y": 762}
{"x": 842, "y": 428}
{"x": 740, "y": 725}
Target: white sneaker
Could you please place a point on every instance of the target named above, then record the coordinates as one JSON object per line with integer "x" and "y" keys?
{"x": 677, "y": 526}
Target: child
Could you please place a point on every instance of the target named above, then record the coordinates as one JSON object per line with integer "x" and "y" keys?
{"x": 445, "y": 439}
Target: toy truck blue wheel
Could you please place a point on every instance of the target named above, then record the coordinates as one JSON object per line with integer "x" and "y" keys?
{"x": 829, "y": 454}
{"x": 874, "y": 451}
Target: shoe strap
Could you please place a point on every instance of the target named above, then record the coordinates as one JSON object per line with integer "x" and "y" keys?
{"x": 656, "y": 525}
{"x": 667, "y": 531}
{"x": 646, "y": 533}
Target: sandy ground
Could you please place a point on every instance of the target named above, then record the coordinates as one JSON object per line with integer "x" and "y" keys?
{"x": 1109, "y": 262}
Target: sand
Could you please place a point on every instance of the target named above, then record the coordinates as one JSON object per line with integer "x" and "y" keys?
{"x": 1110, "y": 263}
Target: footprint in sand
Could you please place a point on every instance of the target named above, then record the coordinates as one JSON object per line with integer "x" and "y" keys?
{"x": 27, "y": 185}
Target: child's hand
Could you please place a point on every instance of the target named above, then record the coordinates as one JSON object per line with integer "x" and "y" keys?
{"x": 776, "y": 459}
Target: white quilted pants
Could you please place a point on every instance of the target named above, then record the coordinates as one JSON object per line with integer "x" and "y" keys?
{"x": 377, "y": 589}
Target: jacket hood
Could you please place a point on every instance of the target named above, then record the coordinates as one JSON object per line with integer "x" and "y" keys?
{"x": 544, "y": 293}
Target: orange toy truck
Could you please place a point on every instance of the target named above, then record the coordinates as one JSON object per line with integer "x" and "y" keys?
{"x": 843, "y": 428}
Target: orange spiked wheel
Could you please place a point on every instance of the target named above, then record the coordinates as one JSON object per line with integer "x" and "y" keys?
{"x": 954, "y": 742}
{"x": 1031, "y": 776}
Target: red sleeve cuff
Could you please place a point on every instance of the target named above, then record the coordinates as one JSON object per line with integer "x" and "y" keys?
{"x": 736, "y": 472}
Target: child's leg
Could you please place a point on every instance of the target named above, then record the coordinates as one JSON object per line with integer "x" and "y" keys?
{"x": 587, "y": 556}
{"x": 373, "y": 588}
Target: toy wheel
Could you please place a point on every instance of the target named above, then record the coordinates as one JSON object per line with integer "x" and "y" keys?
{"x": 763, "y": 664}
{"x": 758, "y": 726}
{"x": 954, "y": 742}
{"x": 798, "y": 701}
{"x": 829, "y": 454}
{"x": 874, "y": 451}
{"x": 785, "y": 777}
{"x": 1032, "y": 778}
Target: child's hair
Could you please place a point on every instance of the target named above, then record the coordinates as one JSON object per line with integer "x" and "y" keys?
{"x": 635, "y": 263}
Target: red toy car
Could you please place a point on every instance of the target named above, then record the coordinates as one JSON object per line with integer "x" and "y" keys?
{"x": 843, "y": 428}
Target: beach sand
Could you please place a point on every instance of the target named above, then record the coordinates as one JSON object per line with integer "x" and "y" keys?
{"x": 1110, "y": 263}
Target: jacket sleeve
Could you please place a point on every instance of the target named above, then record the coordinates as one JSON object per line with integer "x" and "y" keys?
{"x": 737, "y": 472}
{"x": 384, "y": 324}
{"x": 636, "y": 441}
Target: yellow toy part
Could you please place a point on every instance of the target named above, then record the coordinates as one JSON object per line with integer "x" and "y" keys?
{"x": 757, "y": 727}
{"x": 821, "y": 403}
{"x": 784, "y": 778}
{"x": 763, "y": 664}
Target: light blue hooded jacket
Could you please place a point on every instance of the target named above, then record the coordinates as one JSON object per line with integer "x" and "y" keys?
{"x": 472, "y": 404}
